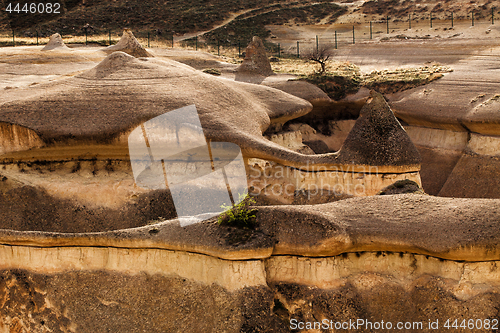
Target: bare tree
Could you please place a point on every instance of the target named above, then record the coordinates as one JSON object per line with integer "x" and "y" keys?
{"x": 321, "y": 55}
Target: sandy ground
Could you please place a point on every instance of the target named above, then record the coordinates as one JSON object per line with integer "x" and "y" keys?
{"x": 446, "y": 46}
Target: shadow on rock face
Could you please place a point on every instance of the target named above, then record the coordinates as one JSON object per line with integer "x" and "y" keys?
{"x": 29, "y": 208}
{"x": 55, "y": 42}
{"x": 170, "y": 303}
{"x": 402, "y": 187}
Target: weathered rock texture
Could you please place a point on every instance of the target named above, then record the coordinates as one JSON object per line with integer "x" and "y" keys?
{"x": 301, "y": 89}
{"x": 240, "y": 114}
{"x": 17, "y": 138}
{"x": 454, "y": 115}
{"x": 55, "y": 42}
{"x": 256, "y": 60}
{"x": 130, "y": 45}
{"x": 393, "y": 258}
{"x": 381, "y": 286}
{"x": 85, "y": 301}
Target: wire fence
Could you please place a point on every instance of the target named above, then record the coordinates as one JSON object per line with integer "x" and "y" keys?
{"x": 336, "y": 35}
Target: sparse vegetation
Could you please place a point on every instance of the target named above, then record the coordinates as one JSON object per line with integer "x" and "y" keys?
{"x": 244, "y": 27}
{"x": 390, "y": 81}
{"x": 342, "y": 78}
{"x": 321, "y": 55}
{"x": 338, "y": 80}
{"x": 336, "y": 86}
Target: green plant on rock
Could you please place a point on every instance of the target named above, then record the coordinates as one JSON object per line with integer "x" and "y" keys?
{"x": 239, "y": 215}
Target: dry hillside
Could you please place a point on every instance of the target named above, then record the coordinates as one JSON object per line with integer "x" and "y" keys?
{"x": 182, "y": 16}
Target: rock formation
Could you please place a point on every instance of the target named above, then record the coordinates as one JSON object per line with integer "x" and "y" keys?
{"x": 378, "y": 138}
{"x": 126, "y": 91}
{"x": 55, "y": 42}
{"x": 130, "y": 45}
{"x": 301, "y": 89}
{"x": 234, "y": 116}
{"x": 84, "y": 149}
{"x": 256, "y": 60}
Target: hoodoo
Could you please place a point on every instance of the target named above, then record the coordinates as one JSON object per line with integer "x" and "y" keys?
{"x": 129, "y": 44}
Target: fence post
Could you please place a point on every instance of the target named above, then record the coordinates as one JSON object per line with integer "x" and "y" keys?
{"x": 409, "y": 21}
{"x": 148, "y": 39}
{"x": 13, "y": 38}
{"x": 86, "y": 36}
{"x": 317, "y": 43}
{"x": 218, "y": 47}
{"x": 298, "y": 50}
{"x": 452, "y": 20}
{"x": 37, "y": 38}
{"x": 196, "y": 42}
{"x": 239, "y": 49}
{"x": 353, "y": 39}
{"x": 109, "y": 32}
{"x": 387, "y": 24}
{"x": 336, "y": 44}
{"x": 472, "y": 18}
{"x": 172, "y": 40}
{"x": 279, "y": 50}
{"x": 371, "y": 30}
{"x": 431, "y": 20}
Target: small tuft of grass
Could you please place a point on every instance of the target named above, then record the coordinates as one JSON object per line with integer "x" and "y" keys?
{"x": 240, "y": 215}
{"x": 477, "y": 98}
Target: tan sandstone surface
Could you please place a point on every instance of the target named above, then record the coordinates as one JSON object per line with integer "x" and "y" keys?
{"x": 83, "y": 249}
